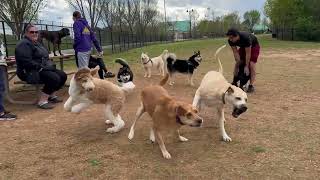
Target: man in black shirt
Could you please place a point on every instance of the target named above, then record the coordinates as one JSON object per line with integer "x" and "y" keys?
{"x": 247, "y": 53}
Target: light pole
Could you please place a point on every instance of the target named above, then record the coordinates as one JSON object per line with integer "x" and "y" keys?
{"x": 60, "y": 20}
{"x": 190, "y": 16}
{"x": 165, "y": 19}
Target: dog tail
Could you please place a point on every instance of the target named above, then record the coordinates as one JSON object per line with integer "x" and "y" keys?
{"x": 170, "y": 59}
{"x": 165, "y": 52}
{"x": 164, "y": 80}
{"x": 123, "y": 62}
{"x": 217, "y": 57}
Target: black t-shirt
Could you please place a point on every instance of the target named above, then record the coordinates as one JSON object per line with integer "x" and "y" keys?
{"x": 246, "y": 40}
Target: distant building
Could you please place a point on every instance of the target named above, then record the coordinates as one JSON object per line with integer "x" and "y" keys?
{"x": 260, "y": 28}
{"x": 181, "y": 29}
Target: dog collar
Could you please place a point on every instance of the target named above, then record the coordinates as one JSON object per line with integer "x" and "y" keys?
{"x": 178, "y": 120}
{"x": 148, "y": 61}
{"x": 224, "y": 97}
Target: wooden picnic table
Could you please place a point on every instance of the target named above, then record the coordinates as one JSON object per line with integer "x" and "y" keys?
{"x": 9, "y": 69}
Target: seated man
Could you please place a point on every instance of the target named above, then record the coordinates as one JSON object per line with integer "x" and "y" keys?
{"x": 35, "y": 67}
{"x": 103, "y": 72}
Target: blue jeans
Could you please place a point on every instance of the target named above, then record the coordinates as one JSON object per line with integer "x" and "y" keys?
{"x": 2, "y": 88}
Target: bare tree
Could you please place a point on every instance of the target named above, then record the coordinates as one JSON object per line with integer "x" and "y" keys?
{"x": 131, "y": 14}
{"x": 17, "y": 12}
{"x": 90, "y": 8}
{"x": 148, "y": 13}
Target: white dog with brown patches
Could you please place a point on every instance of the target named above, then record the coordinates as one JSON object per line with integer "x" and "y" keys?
{"x": 86, "y": 90}
{"x": 215, "y": 91}
{"x": 153, "y": 63}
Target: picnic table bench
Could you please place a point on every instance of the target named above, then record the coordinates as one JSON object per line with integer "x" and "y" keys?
{"x": 8, "y": 67}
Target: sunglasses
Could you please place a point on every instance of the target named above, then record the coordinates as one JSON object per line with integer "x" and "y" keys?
{"x": 33, "y": 32}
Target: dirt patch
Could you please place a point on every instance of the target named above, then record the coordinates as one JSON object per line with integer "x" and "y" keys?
{"x": 296, "y": 55}
{"x": 278, "y": 138}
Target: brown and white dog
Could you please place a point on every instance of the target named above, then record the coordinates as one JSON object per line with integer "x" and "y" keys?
{"x": 86, "y": 90}
{"x": 167, "y": 114}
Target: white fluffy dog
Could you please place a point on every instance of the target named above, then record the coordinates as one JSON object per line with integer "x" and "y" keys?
{"x": 153, "y": 63}
{"x": 85, "y": 90}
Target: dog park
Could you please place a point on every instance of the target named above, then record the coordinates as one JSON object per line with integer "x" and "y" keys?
{"x": 277, "y": 138}
{"x": 160, "y": 99}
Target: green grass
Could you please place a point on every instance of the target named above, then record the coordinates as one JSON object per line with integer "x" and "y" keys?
{"x": 185, "y": 48}
{"x": 258, "y": 149}
{"x": 94, "y": 162}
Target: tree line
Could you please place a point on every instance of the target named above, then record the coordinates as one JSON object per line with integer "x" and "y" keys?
{"x": 130, "y": 16}
{"x": 300, "y": 16}
{"x": 219, "y": 25}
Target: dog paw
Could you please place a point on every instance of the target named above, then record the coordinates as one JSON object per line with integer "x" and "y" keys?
{"x": 152, "y": 139}
{"x": 171, "y": 83}
{"x": 145, "y": 76}
{"x": 166, "y": 155}
{"x": 149, "y": 76}
{"x": 67, "y": 108}
{"x": 108, "y": 121}
{"x": 113, "y": 130}
{"x": 183, "y": 139}
{"x": 226, "y": 138}
{"x": 131, "y": 134}
{"x": 75, "y": 110}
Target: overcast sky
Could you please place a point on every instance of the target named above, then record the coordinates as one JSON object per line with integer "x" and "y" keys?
{"x": 58, "y": 10}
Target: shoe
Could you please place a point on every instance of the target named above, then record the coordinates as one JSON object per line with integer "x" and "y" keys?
{"x": 109, "y": 75}
{"x": 7, "y": 117}
{"x": 250, "y": 89}
{"x": 46, "y": 105}
{"x": 55, "y": 99}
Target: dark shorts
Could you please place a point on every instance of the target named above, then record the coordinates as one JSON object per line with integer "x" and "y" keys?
{"x": 255, "y": 51}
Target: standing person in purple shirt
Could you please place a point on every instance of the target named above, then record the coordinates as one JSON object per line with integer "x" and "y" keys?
{"x": 83, "y": 39}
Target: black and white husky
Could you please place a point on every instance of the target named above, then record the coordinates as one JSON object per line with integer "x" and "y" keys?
{"x": 125, "y": 75}
{"x": 187, "y": 67}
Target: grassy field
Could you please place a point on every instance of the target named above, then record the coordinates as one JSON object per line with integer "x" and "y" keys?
{"x": 278, "y": 138}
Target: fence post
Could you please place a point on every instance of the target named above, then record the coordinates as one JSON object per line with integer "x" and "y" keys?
{"x": 112, "y": 48}
{"x": 292, "y": 34}
{"x": 4, "y": 38}
{"x": 128, "y": 41}
{"x": 136, "y": 39}
{"x": 48, "y": 41}
{"x": 119, "y": 38}
{"x": 99, "y": 31}
{"x": 124, "y": 41}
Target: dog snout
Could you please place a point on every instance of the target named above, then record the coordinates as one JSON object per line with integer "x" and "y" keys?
{"x": 243, "y": 108}
{"x": 199, "y": 122}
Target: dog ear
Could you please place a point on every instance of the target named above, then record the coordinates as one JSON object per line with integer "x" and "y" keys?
{"x": 81, "y": 71}
{"x": 230, "y": 90}
{"x": 94, "y": 71}
{"x": 180, "y": 110}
